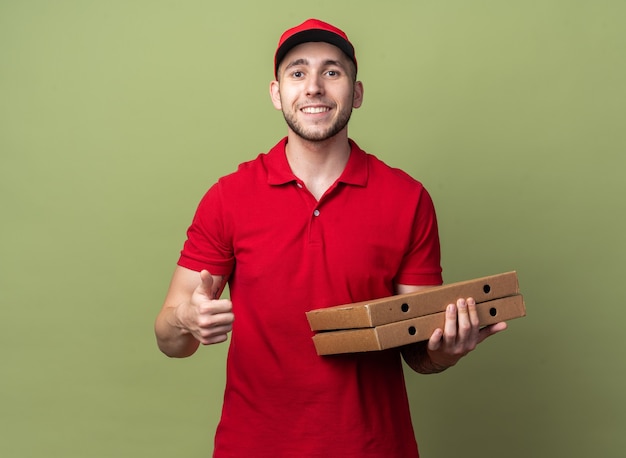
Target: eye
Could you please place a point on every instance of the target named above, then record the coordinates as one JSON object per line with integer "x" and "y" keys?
{"x": 297, "y": 74}
{"x": 332, "y": 73}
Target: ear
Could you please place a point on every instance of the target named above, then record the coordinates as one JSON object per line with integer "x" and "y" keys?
{"x": 358, "y": 94}
{"x": 275, "y": 95}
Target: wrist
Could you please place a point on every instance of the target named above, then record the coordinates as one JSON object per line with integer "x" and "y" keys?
{"x": 176, "y": 319}
{"x": 436, "y": 364}
{"x": 420, "y": 359}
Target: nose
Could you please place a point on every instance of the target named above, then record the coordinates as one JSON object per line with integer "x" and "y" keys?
{"x": 314, "y": 85}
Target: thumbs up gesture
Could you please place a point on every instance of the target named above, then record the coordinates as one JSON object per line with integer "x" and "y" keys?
{"x": 206, "y": 317}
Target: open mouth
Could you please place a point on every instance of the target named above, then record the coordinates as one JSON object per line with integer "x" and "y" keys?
{"x": 315, "y": 110}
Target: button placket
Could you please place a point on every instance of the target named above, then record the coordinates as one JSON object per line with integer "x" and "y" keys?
{"x": 315, "y": 227}
{"x": 315, "y": 236}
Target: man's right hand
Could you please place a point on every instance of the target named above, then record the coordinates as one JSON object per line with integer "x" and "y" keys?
{"x": 192, "y": 314}
{"x": 207, "y": 318}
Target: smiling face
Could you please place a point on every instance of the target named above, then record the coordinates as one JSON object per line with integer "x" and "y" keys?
{"x": 316, "y": 91}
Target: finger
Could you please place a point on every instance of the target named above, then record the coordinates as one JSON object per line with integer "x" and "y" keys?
{"x": 212, "y": 327}
{"x": 216, "y": 329}
{"x": 463, "y": 321}
{"x": 473, "y": 318}
{"x": 488, "y": 331}
{"x": 435, "y": 339}
{"x": 220, "y": 335}
{"x": 215, "y": 307}
{"x": 206, "y": 284}
{"x": 450, "y": 325}
{"x": 473, "y": 312}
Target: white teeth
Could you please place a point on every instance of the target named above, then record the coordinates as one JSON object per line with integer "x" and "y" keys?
{"x": 314, "y": 110}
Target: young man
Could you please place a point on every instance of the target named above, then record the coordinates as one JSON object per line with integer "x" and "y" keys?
{"x": 313, "y": 223}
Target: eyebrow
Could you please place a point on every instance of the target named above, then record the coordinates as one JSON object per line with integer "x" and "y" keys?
{"x": 296, "y": 62}
{"x": 302, "y": 61}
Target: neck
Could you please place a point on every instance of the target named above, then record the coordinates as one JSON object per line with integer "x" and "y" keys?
{"x": 318, "y": 164}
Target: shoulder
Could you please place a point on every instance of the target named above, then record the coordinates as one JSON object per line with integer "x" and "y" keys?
{"x": 265, "y": 168}
{"x": 387, "y": 171}
{"x": 379, "y": 170}
{"x": 384, "y": 177}
{"x": 245, "y": 170}
{"x": 394, "y": 188}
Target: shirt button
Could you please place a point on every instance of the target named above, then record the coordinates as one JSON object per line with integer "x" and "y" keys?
{"x": 299, "y": 185}
{"x": 316, "y": 213}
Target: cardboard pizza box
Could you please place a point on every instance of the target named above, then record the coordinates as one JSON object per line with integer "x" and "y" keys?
{"x": 405, "y": 332}
{"x": 372, "y": 313}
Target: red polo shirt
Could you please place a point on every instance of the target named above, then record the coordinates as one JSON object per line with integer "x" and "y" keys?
{"x": 287, "y": 253}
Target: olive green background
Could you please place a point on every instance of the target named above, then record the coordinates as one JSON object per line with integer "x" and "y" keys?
{"x": 116, "y": 116}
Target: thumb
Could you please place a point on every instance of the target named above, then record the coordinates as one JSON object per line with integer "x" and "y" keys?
{"x": 435, "y": 340}
{"x": 206, "y": 284}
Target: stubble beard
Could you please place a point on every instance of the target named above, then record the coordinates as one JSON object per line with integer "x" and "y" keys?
{"x": 317, "y": 135}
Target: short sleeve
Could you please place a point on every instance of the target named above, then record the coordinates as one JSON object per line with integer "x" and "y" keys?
{"x": 422, "y": 262}
{"x": 208, "y": 245}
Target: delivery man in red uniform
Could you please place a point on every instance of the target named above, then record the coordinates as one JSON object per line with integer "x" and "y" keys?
{"x": 314, "y": 222}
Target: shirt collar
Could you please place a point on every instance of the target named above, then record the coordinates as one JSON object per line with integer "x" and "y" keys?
{"x": 279, "y": 172}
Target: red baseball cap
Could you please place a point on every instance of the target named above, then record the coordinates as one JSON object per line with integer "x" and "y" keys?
{"x": 312, "y": 30}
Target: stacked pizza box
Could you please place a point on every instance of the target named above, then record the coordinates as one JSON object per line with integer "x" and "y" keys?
{"x": 407, "y": 318}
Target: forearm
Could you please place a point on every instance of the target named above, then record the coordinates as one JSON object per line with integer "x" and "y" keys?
{"x": 417, "y": 357}
{"x": 172, "y": 338}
